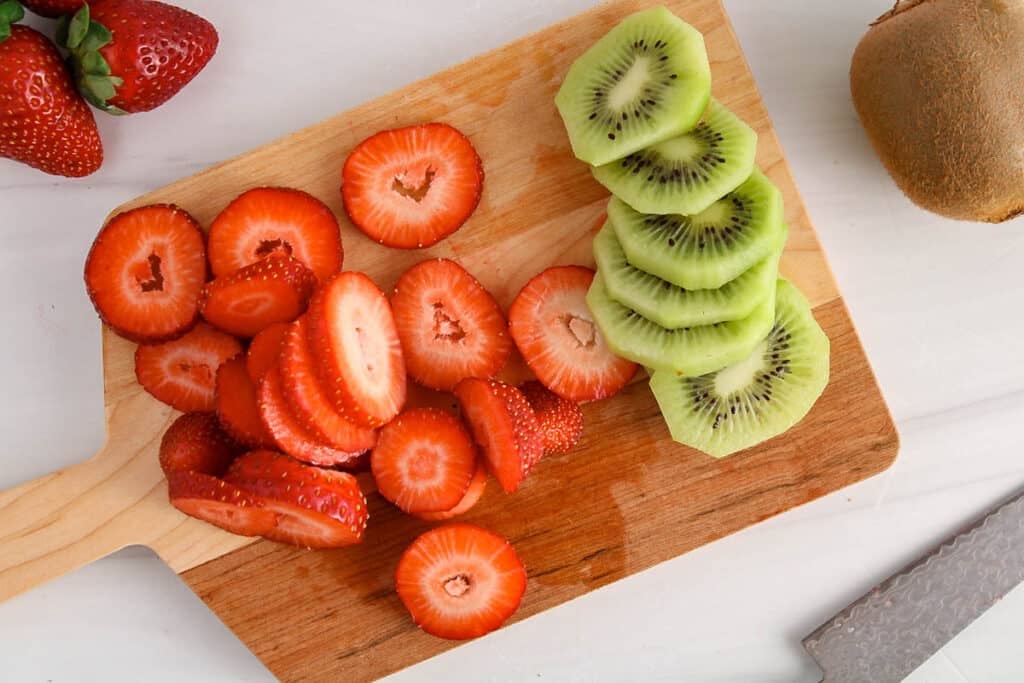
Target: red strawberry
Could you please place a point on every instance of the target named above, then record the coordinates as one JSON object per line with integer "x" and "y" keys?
{"x": 504, "y": 426}
{"x": 53, "y": 8}
{"x": 450, "y": 326}
{"x": 181, "y": 373}
{"x": 424, "y": 460}
{"x": 315, "y": 508}
{"x": 264, "y": 350}
{"x": 309, "y": 403}
{"x": 560, "y": 420}
{"x": 220, "y": 503}
{"x": 270, "y": 291}
{"x": 460, "y": 581}
{"x": 45, "y": 124}
{"x": 275, "y": 220}
{"x": 353, "y": 336}
{"x": 412, "y": 187}
{"x": 145, "y": 271}
{"x": 195, "y": 442}
{"x": 554, "y": 330}
{"x": 472, "y": 496}
{"x": 237, "y": 405}
{"x": 289, "y": 435}
{"x": 134, "y": 55}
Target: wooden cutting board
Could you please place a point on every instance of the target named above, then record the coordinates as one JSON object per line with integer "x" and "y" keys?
{"x": 624, "y": 500}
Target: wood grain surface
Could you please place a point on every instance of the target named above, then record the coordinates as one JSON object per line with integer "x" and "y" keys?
{"x": 624, "y": 500}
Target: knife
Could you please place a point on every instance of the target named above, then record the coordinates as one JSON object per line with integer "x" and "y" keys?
{"x": 893, "y": 629}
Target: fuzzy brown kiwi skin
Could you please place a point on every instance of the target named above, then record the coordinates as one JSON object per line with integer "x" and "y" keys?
{"x": 936, "y": 84}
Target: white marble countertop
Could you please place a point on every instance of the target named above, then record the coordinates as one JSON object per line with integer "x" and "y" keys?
{"x": 732, "y": 611}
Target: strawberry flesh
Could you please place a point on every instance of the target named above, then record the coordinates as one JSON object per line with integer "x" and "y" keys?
{"x": 220, "y": 503}
{"x": 560, "y": 420}
{"x": 196, "y": 442}
{"x": 256, "y": 296}
{"x": 182, "y": 373}
{"x": 264, "y": 350}
{"x": 473, "y": 494}
{"x": 237, "y": 405}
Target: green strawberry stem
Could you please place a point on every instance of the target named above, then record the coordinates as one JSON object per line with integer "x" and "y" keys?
{"x": 84, "y": 38}
{"x": 11, "y": 12}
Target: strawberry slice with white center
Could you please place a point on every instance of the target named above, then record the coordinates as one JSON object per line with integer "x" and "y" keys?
{"x": 450, "y": 326}
{"x": 412, "y": 187}
{"x": 181, "y": 373}
{"x": 359, "y": 356}
{"x": 196, "y": 442}
{"x": 222, "y": 504}
{"x": 560, "y": 420}
{"x": 555, "y": 332}
{"x": 477, "y": 486}
{"x": 460, "y": 581}
{"x": 315, "y": 508}
{"x": 274, "y": 290}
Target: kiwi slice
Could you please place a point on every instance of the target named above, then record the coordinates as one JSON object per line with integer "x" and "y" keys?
{"x": 707, "y": 249}
{"x": 645, "y": 81}
{"x": 688, "y": 173}
{"x": 758, "y": 397}
{"x": 670, "y": 306}
{"x": 688, "y": 350}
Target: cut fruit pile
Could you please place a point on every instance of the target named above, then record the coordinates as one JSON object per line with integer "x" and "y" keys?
{"x": 687, "y": 281}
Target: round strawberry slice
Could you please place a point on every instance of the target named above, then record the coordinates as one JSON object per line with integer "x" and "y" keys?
{"x": 315, "y": 508}
{"x": 237, "y": 406}
{"x": 145, "y": 271}
{"x": 450, "y": 326}
{"x": 181, "y": 373}
{"x": 460, "y": 581}
{"x": 264, "y": 350}
{"x": 412, "y": 187}
{"x": 424, "y": 460}
{"x": 504, "y": 426}
{"x": 353, "y": 336}
{"x": 196, "y": 442}
{"x": 473, "y": 494}
{"x": 276, "y": 289}
{"x": 554, "y": 330}
{"x": 275, "y": 220}
{"x": 560, "y": 420}
{"x": 220, "y": 503}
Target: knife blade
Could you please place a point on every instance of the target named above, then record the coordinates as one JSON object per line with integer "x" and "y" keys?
{"x": 886, "y": 634}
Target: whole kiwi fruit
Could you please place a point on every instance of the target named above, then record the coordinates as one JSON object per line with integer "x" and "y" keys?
{"x": 939, "y": 88}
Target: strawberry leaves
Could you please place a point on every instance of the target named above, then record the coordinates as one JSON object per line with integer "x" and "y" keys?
{"x": 10, "y": 12}
{"x": 84, "y": 38}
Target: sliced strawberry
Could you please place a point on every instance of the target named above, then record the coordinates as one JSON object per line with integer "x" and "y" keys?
{"x": 460, "y": 581}
{"x": 220, "y": 503}
{"x": 315, "y": 508}
{"x": 560, "y": 420}
{"x": 269, "y": 291}
{"x": 477, "y": 485}
{"x": 237, "y": 406}
{"x": 196, "y": 442}
{"x": 275, "y": 220}
{"x": 450, "y": 326}
{"x": 412, "y": 187}
{"x": 289, "y": 435}
{"x": 504, "y": 426}
{"x": 181, "y": 373}
{"x": 145, "y": 271}
{"x": 353, "y": 337}
{"x": 556, "y": 334}
{"x": 424, "y": 460}
{"x": 310, "y": 405}
{"x": 264, "y": 350}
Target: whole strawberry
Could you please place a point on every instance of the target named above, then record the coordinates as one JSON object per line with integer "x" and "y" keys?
{"x": 45, "y": 123}
{"x": 134, "y": 55}
{"x": 53, "y": 8}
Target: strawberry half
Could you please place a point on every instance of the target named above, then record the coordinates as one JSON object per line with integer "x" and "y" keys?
{"x": 269, "y": 291}
{"x": 237, "y": 405}
{"x": 560, "y": 420}
{"x": 460, "y": 581}
{"x": 310, "y": 405}
{"x": 264, "y": 350}
{"x": 450, "y": 326}
{"x": 181, "y": 373}
{"x": 424, "y": 460}
{"x": 412, "y": 187}
{"x": 504, "y": 426}
{"x": 195, "y": 442}
{"x": 315, "y": 508}
{"x": 275, "y": 220}
{"x": 353, "y": 336}
{"x": 554, "y": 330}
{"x": 222, "y": 504}
{"x": 477, "y": 485}
{"x": 144, "y": 273}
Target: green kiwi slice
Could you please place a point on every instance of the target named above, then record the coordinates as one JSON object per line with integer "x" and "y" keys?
{"x": 688, "y": 350}
{"x": 645, "y": 81}
{"x": 688, "y": 173}
{"x": 670, "y": 306}
{"x": 757, "y": 398}
{"x": 708, "y": 249}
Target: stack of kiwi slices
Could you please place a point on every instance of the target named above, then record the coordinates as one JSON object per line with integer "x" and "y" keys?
{"x": 687, "y": 261}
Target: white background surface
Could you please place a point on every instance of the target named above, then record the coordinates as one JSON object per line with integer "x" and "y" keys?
{"x": 938, "y": 305}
